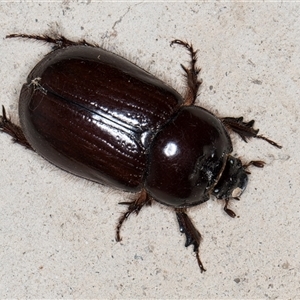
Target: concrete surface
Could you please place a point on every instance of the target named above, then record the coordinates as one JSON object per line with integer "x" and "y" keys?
{"x": 57, "y": 231}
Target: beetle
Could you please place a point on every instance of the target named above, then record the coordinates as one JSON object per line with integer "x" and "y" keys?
{"x": 95, "y": 114}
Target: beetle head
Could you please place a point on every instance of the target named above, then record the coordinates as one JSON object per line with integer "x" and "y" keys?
{"x": 233, "y": 180}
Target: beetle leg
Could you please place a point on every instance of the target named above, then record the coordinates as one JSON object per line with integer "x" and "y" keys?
{"x": 193, "y": 236}
{"x": 192, "y": 72}
{"x": 245, "y": 130}
{"x": 134, "y": 206}
{"x": 58, "y": 40}
{"x": 13, "y": 130}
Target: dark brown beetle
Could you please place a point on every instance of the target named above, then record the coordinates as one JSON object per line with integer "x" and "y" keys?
{"x": 99, "y": 116}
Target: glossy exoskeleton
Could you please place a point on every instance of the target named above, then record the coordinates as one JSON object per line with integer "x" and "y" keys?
{"x": 101, "y": 117}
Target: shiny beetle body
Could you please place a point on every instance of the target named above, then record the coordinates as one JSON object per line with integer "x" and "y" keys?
{"x": 99, "y": 116}
{"x": 76, "y": 115}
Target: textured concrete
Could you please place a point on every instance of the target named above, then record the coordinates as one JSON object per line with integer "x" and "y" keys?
{"x": 57, "y": 231}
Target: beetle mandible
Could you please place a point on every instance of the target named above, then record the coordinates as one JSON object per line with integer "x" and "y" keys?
{"x": 101, "y": 117}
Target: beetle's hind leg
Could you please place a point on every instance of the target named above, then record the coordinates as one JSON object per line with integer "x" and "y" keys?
{"x": 58, "y": 40}
{"x": 13, "y": 130}
{"x": 193, "y": 236}
{"x": 134, "y": 206}
{"x": 245, "y": 130}
{"x": 192, "y": 72}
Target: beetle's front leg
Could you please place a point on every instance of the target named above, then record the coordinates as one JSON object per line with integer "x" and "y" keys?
{"x": 134, "y": 206}
{"x": 192, "y": 72}
{"x": 13, "y": 130}
{"x": 193, "y": 236}
{"x": 245, "y": 130}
